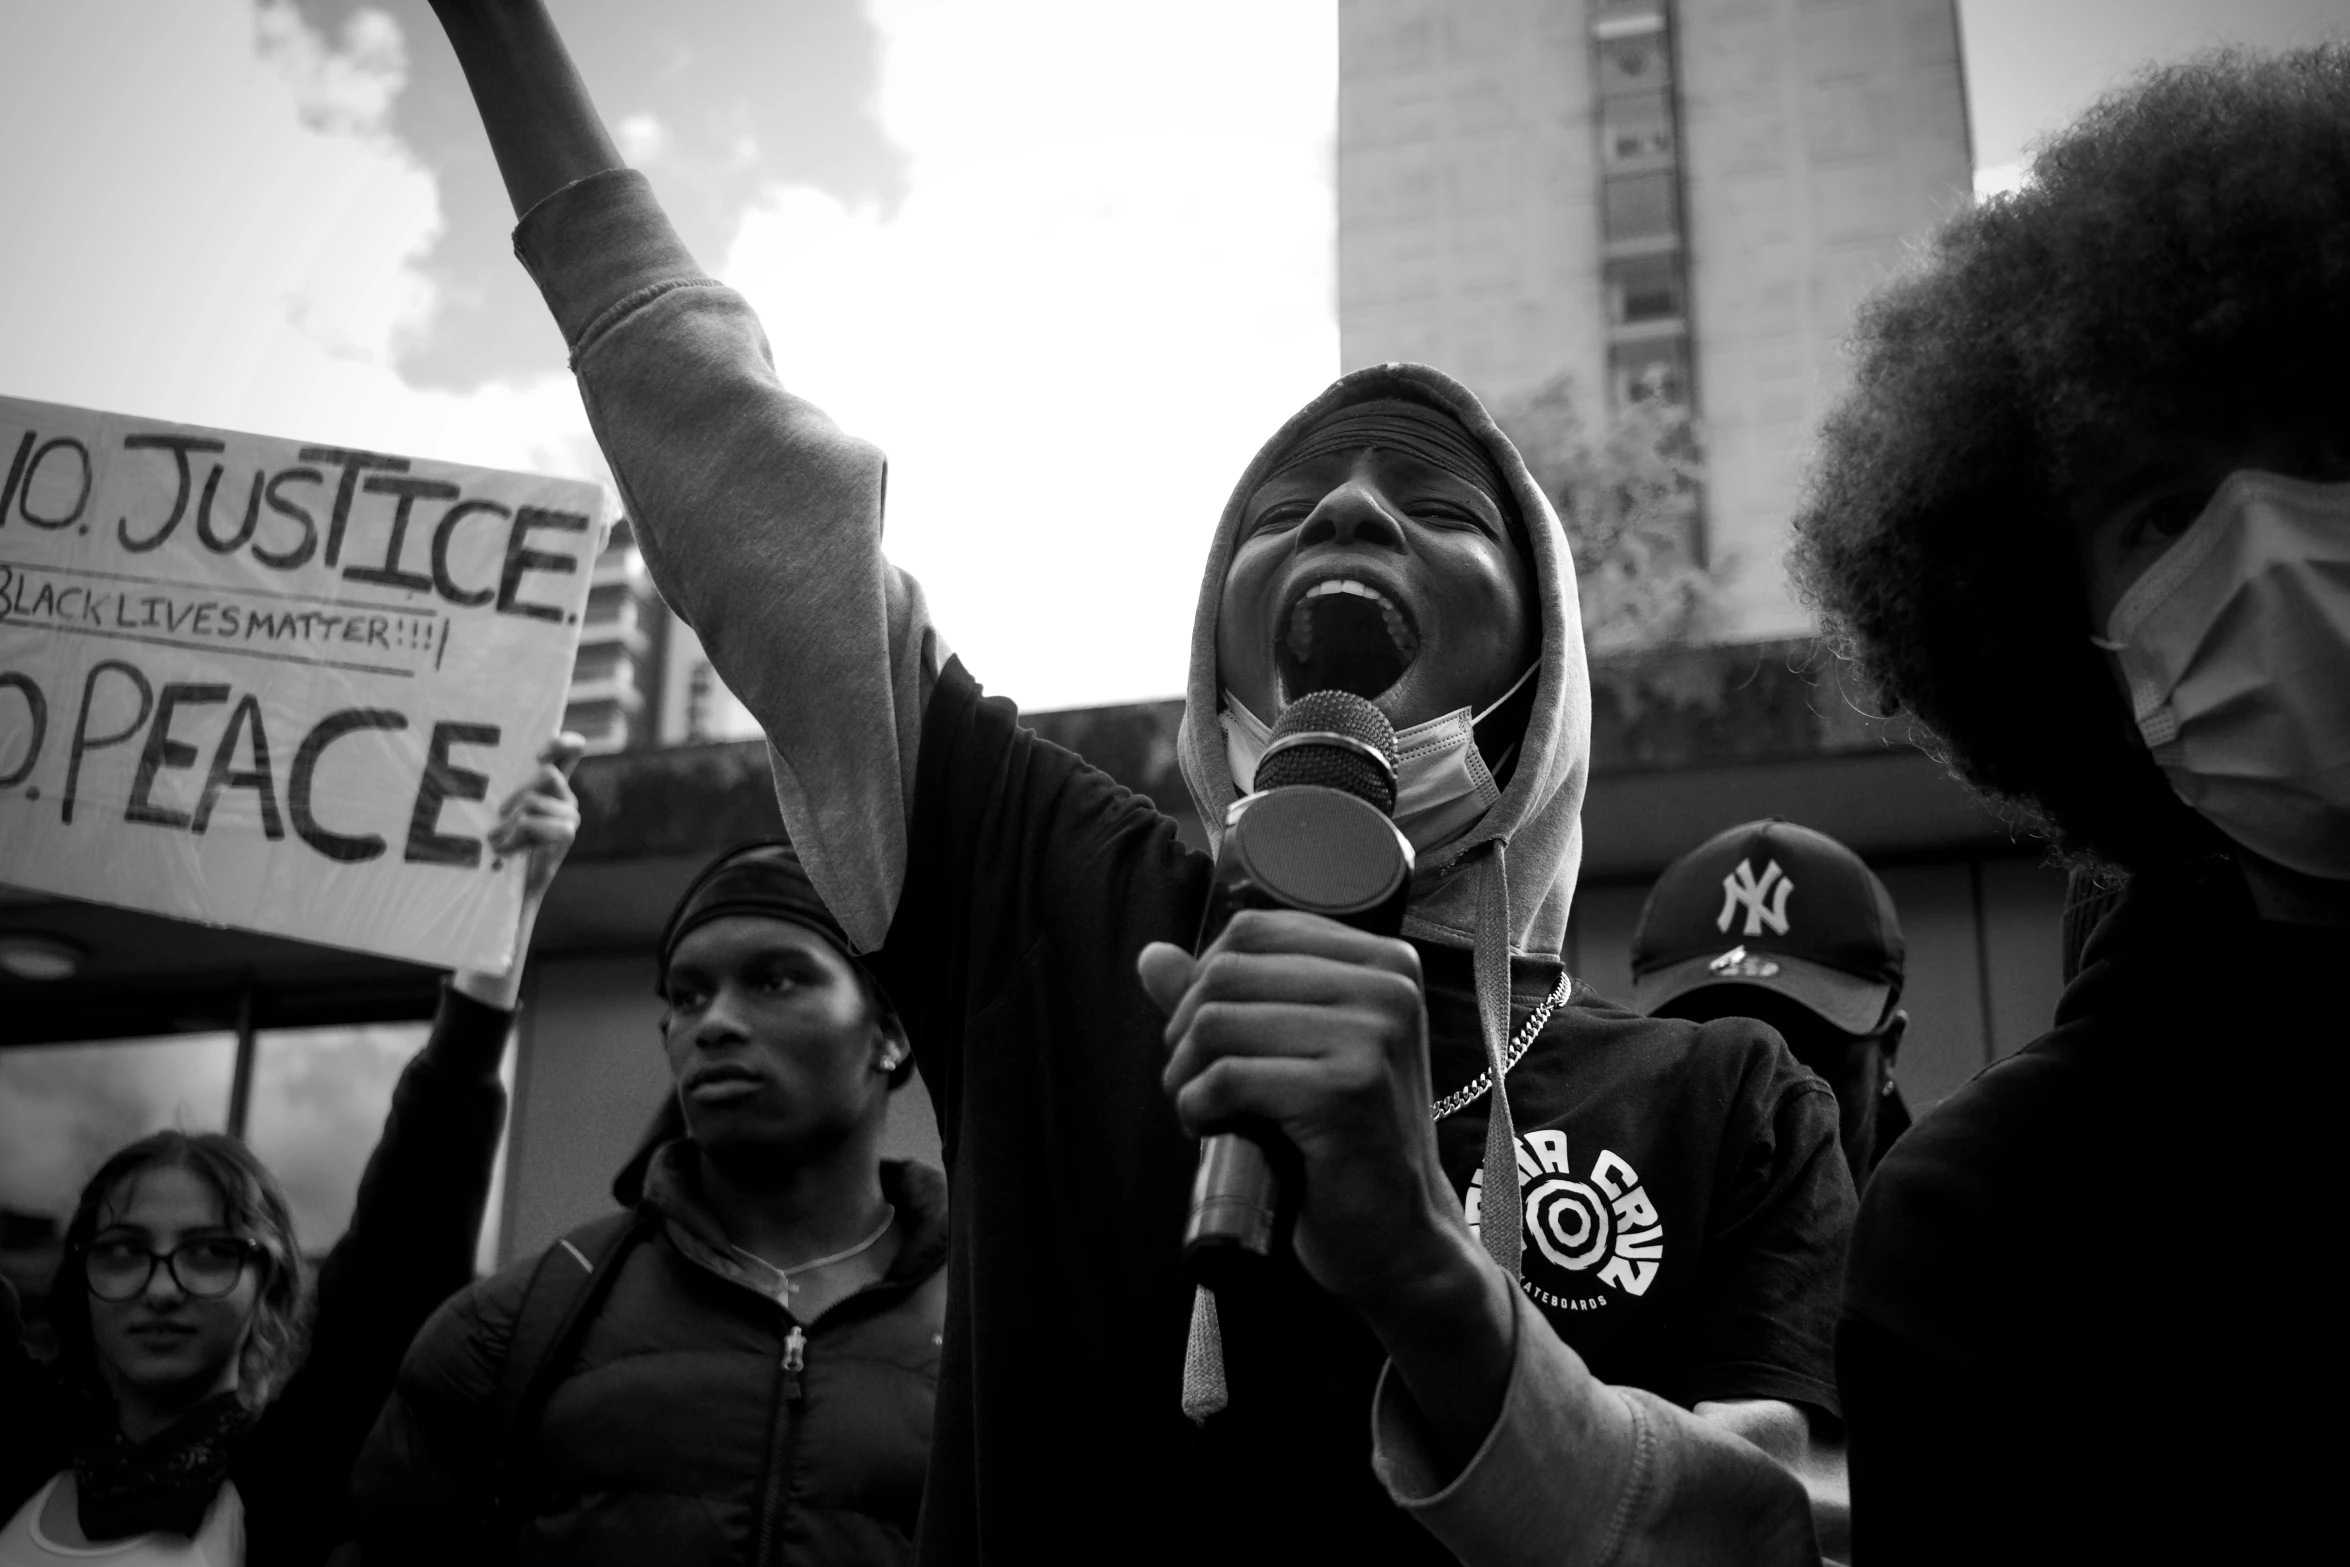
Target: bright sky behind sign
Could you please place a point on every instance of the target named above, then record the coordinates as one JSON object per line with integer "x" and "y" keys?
{"x": 1067, "y": 260}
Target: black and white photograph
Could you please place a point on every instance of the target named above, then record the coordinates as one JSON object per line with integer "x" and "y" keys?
{"x": 1531, "y": 783}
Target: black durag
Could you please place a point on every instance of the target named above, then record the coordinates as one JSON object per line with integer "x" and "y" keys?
{"x": 763, "y": 878}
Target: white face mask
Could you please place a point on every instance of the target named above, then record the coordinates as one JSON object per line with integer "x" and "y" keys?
{"x": 2236, "y": 647}
{"x": 1441, "y": 783}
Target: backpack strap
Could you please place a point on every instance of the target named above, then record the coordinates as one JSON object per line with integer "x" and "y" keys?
{"x": 566, "y": 1290}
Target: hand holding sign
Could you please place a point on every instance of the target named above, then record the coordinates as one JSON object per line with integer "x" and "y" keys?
{"x": 264, "y": 683}
{"x": 540, "y": 819}
{"x": 537, "y": 823}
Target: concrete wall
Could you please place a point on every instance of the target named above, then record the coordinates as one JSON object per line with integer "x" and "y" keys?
{"x": 1821, "y": 138}
{"x": 588, "y": 1077}
{"x": 1468, "y": 205}
{"x": 1985, "y": 960}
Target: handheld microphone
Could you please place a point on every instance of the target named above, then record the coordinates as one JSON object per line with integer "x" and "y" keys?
{"x": 1317, "y": 835}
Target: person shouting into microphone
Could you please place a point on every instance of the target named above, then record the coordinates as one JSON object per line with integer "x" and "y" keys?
{"x": 1622, "y": 1353}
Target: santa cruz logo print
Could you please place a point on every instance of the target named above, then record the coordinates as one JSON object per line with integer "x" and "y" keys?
{"x": 1581, "y": 1232}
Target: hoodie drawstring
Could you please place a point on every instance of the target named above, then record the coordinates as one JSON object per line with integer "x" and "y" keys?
{"x": 1204, "y": 1392}
{"x": 1498, "y": 1215}
{"x": 1204, "y": 1389}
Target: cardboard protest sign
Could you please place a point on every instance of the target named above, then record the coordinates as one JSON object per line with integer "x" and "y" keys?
{"x": 264, "y": 683}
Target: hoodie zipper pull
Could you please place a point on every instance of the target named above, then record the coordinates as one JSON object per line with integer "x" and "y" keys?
{"x": 795, "y": 1361}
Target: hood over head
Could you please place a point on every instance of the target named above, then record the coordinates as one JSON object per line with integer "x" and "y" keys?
{"x": 1502, "y": 882}
{"x": 1538, "y": 817}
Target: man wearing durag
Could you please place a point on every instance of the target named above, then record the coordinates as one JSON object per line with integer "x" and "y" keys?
{"x": 1576, "y": 1382}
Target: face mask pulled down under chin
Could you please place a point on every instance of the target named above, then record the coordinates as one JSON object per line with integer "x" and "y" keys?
{"x": 2235, "y": 644}
{"x": 1442, "y": 786}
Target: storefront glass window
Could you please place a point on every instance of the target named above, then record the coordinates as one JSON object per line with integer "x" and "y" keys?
{"x": 64, "y": 1108}
{"x": 315, "y": 1109}
{"x": 319, "y": 1097}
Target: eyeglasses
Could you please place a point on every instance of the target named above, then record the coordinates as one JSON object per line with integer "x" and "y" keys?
{"x": 206, "y": 1269}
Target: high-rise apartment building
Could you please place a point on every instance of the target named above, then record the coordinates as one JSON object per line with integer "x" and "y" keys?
{"x": 620, "y": 650}
{"x": 1683, "y": 198}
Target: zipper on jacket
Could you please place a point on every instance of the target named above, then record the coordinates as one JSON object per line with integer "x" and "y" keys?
{"x": 795, "y": 1361}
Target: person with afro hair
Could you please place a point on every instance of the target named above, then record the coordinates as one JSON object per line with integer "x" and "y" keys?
{"x": 2084, "y": 516}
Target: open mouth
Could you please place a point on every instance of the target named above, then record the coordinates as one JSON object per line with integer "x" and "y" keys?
{"x": 1342, "y": 634}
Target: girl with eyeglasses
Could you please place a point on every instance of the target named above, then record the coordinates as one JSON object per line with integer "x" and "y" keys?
{"x": 203, "y": 1409}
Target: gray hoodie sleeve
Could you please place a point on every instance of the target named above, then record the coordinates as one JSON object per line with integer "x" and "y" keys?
{"x": 761, "y": 522}
{"x": 1576, "y": 1473}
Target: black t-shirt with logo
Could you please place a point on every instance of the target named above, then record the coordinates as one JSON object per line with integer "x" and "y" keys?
{"x": 1685, "y": 1200}
{"x": 1689, "y": 1204}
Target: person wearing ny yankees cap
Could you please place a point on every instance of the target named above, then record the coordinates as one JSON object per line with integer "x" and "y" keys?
{"x": 1777, "y": 922}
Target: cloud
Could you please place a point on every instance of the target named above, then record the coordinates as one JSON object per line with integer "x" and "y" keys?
{"x": 642, "y": 138}
{"x": 225, "y": 240}
{"x": 346, "y": 85}
{"x": 1100, "y": 295}
{"x": 2001, "y": 179}
{"x": 722, "y": 99}
{"x": 1093, "y": 271}
{"x": 1089, "y": 269}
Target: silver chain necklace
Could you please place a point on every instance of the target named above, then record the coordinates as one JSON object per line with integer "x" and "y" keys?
{"x": 889, "y": 1216}
{"x": 1468, "y": 1094}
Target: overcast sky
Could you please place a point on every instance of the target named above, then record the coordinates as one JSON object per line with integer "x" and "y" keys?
{"x": 1068, "y": 260}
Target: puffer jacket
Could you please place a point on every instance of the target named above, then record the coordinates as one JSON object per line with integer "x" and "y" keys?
{"x": 683, "y": 1432}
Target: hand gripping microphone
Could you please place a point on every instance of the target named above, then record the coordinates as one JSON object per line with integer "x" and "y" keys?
{"x": 1318, "y": 835}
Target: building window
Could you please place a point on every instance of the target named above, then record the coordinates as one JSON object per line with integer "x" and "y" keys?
{"x": 1636, "y": 128}
{"x": 1644, "y": 289}
{"x": 607, "y": 662}
{"x": 1638, "y": 63}
{"x": 698, "y": 692}
{"x": 1638, "y": 206}
{"x": 611, "y": 603}
{"x": 1641, "y": 371}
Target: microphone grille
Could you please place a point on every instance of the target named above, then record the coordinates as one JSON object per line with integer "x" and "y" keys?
{"x": 1342, "y": 716}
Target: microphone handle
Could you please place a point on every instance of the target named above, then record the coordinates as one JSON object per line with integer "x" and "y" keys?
{"x": 1235, "y": 1211}
{"x": 1235, "y": 1192}
{"x": 1238, "y": 1211}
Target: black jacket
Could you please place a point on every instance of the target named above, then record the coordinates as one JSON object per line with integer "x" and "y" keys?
{"x": 682, "y": 1434}
{"x": 2091, "y": 1295}
{"x": 410, "y": 1245}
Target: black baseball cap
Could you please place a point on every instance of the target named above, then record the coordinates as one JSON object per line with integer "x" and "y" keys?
{"x": 1779, "y": 907}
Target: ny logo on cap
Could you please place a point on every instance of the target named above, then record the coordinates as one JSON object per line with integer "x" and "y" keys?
{"x": 1765, "y": 900}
